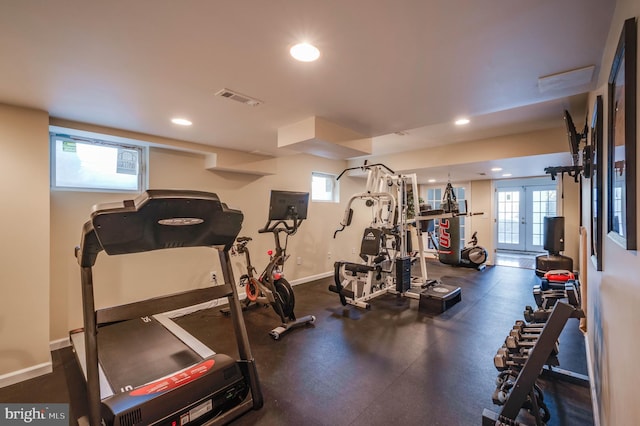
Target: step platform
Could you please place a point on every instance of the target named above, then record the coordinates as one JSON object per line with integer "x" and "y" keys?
{"x": 438, "y": 297}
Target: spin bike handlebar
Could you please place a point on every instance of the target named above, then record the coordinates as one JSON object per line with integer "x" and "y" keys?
{"x": 277, "y": 226}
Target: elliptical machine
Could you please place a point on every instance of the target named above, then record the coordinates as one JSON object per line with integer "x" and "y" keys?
{"x": 473, "y": 255}
{"x": 287, "y": 210}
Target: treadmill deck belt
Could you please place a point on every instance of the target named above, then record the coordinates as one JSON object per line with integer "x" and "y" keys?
{"x": 139, "y": 351}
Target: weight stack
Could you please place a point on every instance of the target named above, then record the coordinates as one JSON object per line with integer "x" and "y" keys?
{"x": 403, "y": 274}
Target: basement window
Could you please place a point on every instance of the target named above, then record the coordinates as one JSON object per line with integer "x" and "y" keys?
{"x": 87, "y": 164}
{"x": 324, "y": 187}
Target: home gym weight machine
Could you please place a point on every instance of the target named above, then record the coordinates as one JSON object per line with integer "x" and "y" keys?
{"x": 287, "y": 210}
{"x": 384, "y": 246}
{"x": 142, "y": 368}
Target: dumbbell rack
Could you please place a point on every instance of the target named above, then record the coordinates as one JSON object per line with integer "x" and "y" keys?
{"x": 524, "y": 385}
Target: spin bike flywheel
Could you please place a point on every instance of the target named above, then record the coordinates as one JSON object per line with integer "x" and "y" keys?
{"x": 286, "y": 296}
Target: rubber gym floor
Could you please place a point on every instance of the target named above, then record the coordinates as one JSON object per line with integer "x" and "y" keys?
{"x": 389, "y": 365}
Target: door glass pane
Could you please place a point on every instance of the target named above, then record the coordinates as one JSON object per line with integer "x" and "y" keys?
{"x": 509, "y": 217}
{"x": 544, "y": 204}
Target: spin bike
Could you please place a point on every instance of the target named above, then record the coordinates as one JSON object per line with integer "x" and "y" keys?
{"x": 270, "y": 287}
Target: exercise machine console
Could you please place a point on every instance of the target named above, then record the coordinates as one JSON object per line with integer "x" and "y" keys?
{"x": 142, "y": 368}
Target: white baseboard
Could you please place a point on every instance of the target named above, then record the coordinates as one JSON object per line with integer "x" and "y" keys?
{"x": 311, "y": 278}
{"x": 223, "y": 301}
{"x": 592, "y": 384}
{"x": 54, "y": 345}
{"x": 25, "y": 374}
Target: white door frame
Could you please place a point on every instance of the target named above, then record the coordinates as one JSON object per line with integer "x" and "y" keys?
{"x": 525, "y": 221}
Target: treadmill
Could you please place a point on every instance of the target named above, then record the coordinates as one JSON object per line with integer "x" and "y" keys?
{"x": 142, "y": 368}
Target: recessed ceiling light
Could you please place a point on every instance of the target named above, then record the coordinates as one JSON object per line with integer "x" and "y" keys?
{"x": 506, "y": 175}
{"x": 181, "y": 121}
{"x": 462, "y": 121}
{"x": 431, "y": 180}
{"x": 496, "y": 169}
{"x": 304, "y": 52}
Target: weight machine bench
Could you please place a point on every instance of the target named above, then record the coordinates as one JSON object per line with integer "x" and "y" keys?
{"x": 356, "y": 283}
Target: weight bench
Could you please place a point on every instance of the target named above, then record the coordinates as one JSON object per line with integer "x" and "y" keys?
{"x": 356, "y": 283}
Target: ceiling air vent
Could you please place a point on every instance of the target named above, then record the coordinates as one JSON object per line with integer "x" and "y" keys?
{"x": 238, "y": 97}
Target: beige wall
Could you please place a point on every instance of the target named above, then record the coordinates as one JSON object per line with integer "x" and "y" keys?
{"x": 547, "y": 141}
{"x": 570, "y": 191}
{"x": 614, "y": 293}
{"x": 482, "y": 200}
{"x": 24, "y": 253}
{"x": 121, "y": 279}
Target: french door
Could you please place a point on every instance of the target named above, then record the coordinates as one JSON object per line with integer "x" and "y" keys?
{"x": 521, "y": 211}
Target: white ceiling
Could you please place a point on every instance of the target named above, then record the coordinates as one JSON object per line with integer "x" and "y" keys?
{"x": 386, "y": 66}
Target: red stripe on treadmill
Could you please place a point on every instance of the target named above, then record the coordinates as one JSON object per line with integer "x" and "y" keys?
{"x": 178, "y": 379}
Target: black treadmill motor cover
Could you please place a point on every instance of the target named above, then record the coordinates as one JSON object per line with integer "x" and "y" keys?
{"x": 159, "y": 219}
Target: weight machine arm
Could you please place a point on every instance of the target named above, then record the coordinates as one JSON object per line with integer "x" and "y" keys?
{"x": 348, "y": 213}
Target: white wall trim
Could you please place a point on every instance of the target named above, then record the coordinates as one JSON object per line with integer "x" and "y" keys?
{"x": 592, "y": 384}
{"x": 25, "y": 374}
{"x": 54, "y": 345}
{"x": 223, "y": 301}
{"x": 311, "y": 278}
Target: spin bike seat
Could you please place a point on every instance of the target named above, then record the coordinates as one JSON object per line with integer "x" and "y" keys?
{"x": 243, "y": 239}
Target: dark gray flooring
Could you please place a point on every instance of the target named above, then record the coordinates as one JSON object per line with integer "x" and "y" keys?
{"x": 389, "y": 365}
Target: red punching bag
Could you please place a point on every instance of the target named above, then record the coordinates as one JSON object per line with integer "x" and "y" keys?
{"x": 449, "y": 240}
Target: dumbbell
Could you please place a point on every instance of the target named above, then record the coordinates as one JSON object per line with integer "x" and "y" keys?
{"x": 512, "y": 342}
{"x": 523, "y": 324}
{"x": 525, "y": 333}
{"x": 546, "y": 299}
{"x": 518, "y": 344}
{"x": 506, "y": 360}
{"x": 515, "y": 342}
{"x": 526, "y": 329}
{"x": 573, "y": 294}
{"x": 537, "y": 316}
{"x": 507, "y": 374}
{"x": 501, "y": 394}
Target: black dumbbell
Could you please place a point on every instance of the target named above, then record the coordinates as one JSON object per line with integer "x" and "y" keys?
{"x": 573, "y": 294}
{"x": 537, "y": 316}
{"x": 520, "y": 324}
{"x": 525, "y": 334}
{"x": 508, "y": 374}
{"x": 513, "y": 344}
{"x": 504, "y": 359}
